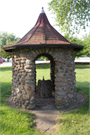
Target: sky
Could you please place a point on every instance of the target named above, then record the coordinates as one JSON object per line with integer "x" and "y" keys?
{"x": 19, "y": 16}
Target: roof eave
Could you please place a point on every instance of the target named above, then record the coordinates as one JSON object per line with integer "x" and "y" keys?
{"x": 75, "y": 46}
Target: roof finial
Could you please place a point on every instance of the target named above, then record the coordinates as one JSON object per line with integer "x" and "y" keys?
{"x": 42, "y": 10}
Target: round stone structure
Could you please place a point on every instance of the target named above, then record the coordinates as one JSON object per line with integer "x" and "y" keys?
{"x": 43, "y": 40}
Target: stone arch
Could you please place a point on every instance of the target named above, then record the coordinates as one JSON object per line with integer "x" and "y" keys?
{"x": 52, "y": 67}
{"x": 34, "y": 53}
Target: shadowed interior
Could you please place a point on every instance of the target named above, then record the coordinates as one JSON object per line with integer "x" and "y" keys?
{"x": 52, "y": 68}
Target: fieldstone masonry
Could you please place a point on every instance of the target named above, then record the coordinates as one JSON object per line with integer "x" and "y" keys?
{"x": 24, "y": 75}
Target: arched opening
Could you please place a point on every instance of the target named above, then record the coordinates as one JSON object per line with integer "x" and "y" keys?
{"x": 45, "y": 81}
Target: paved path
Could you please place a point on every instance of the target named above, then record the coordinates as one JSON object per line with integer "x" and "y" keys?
{"x": 83, "y": 59}
{"x": 46, "y": 120}
{"x": 4, "y": 64}
{"x": 86, "y": 59}
{"x": 10, "y": 63}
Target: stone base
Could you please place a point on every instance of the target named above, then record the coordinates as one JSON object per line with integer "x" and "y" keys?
{"x": 49, "y": 103}
{"x": 77, "y": 101}
{"x": 26, "y": 104}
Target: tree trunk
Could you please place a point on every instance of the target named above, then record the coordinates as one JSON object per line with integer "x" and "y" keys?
{"x": 7, "y": 59}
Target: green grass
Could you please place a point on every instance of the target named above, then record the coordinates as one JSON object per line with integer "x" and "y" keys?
{"x": 12, "y": 120}
{"x": 75, "y": 122}
{"x": 16, "y": 122}
{"x": 84, "y": 66}
{"x": 42, "y": 70}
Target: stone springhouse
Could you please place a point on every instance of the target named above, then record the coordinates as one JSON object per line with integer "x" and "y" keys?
{"x": 43, "y": 40}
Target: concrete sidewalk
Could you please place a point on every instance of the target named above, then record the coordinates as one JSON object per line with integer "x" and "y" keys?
{"x": 6, "y": 64}
{"x": 46, "y": 120}
{"x": 82, "y": 60}
{"x": 10, "y": 63}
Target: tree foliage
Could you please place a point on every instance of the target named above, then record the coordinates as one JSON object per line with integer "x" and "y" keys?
{"x": 6, "y": 54}
{"x": 86, "y": 44}
{"x": 5, "y": 40}
{"x": 85, "y": 41}
{"x": 43, "y": 58}
{"x": 71, "y": 15}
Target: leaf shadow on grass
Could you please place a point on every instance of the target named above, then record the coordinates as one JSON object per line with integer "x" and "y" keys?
{"x": 43, "y": 66}
{"x": 74, "y": 120}
{"x": 3, "y": 69}
{"x": 5, "y": 92}
{"x": 83, "y": 88}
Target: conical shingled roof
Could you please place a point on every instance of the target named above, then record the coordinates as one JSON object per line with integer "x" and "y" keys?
{"x": 43, "y": 35}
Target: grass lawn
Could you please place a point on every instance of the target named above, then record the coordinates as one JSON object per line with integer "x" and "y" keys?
{"x": 42, "y": 70}
{"x": 75, "y": 122}
{"x": 83, "y": 66}
{"x": 12, "y": 120}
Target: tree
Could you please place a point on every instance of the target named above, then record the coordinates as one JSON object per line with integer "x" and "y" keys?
{"x": 71, "y": 15}
{"x": 43, "y": 58}
{"x": 85, "y": 42}
{"x": 5, "y": 40}
{"x": 5, "y": 54}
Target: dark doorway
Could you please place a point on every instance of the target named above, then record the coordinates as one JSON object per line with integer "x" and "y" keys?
{"x": 45, "y": 87}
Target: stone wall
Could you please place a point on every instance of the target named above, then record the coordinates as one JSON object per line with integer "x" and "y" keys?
{"x": 24, "y": 75}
